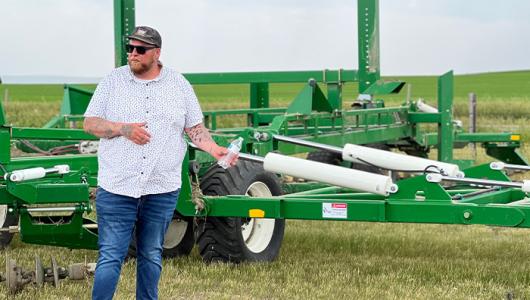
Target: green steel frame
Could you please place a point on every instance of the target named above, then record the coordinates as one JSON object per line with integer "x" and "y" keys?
{"x": 312, "y": 116}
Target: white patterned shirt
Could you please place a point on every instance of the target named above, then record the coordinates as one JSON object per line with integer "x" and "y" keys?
{"x": 168, "y": 104}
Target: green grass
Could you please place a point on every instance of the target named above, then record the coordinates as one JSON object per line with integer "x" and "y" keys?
{"x": 342, "y": 260}
{"x": 488, "y": 86}
{"x": 322, "y": 260}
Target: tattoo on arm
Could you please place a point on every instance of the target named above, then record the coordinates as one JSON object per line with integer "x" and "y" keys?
{"x": 201, "y": 137}
{"x": 199, "y": 134}
{"x": 99, "y": 127}
{"x": 126, "y": 130}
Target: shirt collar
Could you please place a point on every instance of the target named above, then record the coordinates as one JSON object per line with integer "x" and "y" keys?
{"x": 158, "y": 78}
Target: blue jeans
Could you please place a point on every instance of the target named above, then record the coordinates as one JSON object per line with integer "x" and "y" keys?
{"x": 117, "y": 217}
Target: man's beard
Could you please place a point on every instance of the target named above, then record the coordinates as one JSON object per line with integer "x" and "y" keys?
{"x": 139, "y": 68}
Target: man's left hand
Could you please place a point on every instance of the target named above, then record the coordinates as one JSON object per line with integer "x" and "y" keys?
{"x": 219, "y": 152}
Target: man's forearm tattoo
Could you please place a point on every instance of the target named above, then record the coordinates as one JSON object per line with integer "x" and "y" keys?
{"x": 101, "y": 128}
{"x": 199, "y": 134}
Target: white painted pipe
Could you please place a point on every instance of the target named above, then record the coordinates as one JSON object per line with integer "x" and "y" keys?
{"x": 396, "y": 161}
{"x": 424, "y": 107}
{"x": 334, "y": 175}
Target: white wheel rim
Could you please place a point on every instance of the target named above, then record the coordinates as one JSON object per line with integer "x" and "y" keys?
{"x": 257, "y": 233}
{"x": 175, "y": 233}
{"x": 3, "y": 215}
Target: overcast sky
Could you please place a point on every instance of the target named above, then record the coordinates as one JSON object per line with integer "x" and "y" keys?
{"x": 75, "y": 37}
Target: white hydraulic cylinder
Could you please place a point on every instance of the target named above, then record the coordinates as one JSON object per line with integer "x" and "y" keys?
{"x": 27, "y": 174}
{"x": 36, "y": 173}
{"x": 396, "y": 161}
{"x": 424, "y": 107}
{"x": 334, "y": 175}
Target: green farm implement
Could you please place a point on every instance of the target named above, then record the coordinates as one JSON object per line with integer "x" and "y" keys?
{"x": 365, "y": 162}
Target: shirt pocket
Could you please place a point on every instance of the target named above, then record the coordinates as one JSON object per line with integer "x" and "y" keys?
{"x": 174, "y": 118}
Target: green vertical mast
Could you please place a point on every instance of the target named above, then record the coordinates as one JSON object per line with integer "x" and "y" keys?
{"x": 368, "y": 41}
{"x": 124, "y": 22}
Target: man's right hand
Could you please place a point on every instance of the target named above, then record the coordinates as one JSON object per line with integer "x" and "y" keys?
{"x": 135, "y": 132}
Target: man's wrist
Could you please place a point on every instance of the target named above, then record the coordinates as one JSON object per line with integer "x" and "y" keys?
{"x": 124, "y": 129}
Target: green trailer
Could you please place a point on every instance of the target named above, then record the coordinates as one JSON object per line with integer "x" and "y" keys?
{"x": 239, "y": 214}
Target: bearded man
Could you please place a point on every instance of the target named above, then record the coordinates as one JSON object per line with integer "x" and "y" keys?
{"x": 140, "y": 112}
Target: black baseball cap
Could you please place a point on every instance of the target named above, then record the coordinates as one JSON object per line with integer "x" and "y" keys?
{"x": 146, "y": 34}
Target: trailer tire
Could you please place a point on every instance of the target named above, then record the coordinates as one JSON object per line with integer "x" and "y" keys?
{"x": 336, "y": 160}
{"x": 178, "y": 241}
{"x": 230, "y": 239}
{"x": 325, "y": 157}
{"x": 6, "y": 220}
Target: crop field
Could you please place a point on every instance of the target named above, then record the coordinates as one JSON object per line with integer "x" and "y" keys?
{"x": 322, "y": 260}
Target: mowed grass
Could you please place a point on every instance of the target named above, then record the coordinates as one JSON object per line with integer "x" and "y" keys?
{"x": 342, "y": 260}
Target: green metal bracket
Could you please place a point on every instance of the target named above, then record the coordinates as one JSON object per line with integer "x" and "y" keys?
{"x": 185, "y": 205}
{"x": 445, "y": 108}
{"x": 39, "y": 192}
{"x": 259, "y": 95}
{"x": 5, "y": 143}
{"x": 335, "y": 95}
{"x": 124, "y": 22}
{"x": 419, "y": 189}
{"x": 64, "y": 232}
{"x": 3, "y": 120}
{"x": 309, "y": 99}
{"x": 382, "y": 87}
{"x": 506, "y": 152}
{"x": 75, "y": 100}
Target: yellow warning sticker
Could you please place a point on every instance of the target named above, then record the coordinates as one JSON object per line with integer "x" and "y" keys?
{"x": 256, "y": 213}
{"x": 515, "y": 137}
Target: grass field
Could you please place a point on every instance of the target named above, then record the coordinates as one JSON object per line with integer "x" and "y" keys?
{"x": 338, "y": 260}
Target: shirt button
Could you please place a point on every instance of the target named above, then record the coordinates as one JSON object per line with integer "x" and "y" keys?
{"x": 147, "y": 84}
{"x": 147, "y": 97}
{"x": 144, "y": 157}
{"x": 142, "y": 173}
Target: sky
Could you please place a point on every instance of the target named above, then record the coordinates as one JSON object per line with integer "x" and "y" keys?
{"x": 74, "y": 38}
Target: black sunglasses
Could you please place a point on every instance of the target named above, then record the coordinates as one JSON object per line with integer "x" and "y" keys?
{"x": 139, "y": 49}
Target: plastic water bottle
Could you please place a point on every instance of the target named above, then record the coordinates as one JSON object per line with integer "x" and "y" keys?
{"x": 233, "y": 150}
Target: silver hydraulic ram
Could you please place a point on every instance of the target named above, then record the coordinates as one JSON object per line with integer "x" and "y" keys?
{"x": 499, "y": 165}
{"x": 437, "y": 178}
{"x": 381, "y": 158}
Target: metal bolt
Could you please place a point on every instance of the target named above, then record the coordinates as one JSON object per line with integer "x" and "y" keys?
{"x": 467, "y": 215}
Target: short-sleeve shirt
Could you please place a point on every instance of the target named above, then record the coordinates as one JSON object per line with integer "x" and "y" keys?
{"x": 167, "y": 104}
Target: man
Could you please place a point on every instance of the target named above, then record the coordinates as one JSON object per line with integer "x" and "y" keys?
{"x": 140, "y": 112}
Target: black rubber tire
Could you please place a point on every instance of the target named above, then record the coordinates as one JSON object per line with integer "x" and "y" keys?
{"x": 336, "y": 160}
{"x": 184, "y": 246}
{"x": 367, "y": 168}
{"x": 9, "y": 220}
{"x": 220, "y": 239}
{"x": 325, "y": 157}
